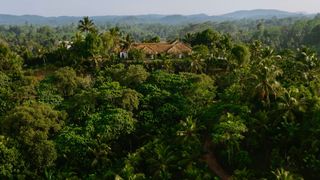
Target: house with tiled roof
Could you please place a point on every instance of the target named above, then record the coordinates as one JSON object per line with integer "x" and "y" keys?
{"x": 152, "y": 50}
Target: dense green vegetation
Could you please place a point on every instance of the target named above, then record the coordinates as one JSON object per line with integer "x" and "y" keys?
{"x": 244, "y": 105}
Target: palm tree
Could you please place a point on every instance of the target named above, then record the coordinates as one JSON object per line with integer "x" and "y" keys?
{"x": 168, "y": 66}
{"x": 116, "y": 36}
{"x": 197, "y": 64}
{"x": 86, "y": 25}
{"x": 255, "y": 49}
{"x": 189, "y": 130}
{"x": 290, "y": 104}
{"x": 282, "y": 174}
{"x": 115, "y": 31}
{"x": 96, "y": 61}
{"x": 307, "y": 57}
{"x": 126, "y": 43}
{"x": 163, "y": 160}
{"x": 188, "y": 38}
{"x": 266, "y": 80}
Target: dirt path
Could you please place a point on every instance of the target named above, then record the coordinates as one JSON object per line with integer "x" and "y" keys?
{"x": 212, "y": 161}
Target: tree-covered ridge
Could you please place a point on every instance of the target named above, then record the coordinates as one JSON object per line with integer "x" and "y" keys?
{"x": 150, "y": 18}
{"x": 233, "y": 109}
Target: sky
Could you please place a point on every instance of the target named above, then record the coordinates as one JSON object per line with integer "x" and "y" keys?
{"x": 135, "y": 7}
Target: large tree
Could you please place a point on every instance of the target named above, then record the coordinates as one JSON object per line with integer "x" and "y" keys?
{"x": 86, "y": 25}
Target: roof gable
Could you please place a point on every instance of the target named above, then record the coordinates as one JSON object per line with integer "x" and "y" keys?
{"x": 157, "y": 48}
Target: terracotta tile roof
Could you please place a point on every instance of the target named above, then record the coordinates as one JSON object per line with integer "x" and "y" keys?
{"x": 158, "y": 48}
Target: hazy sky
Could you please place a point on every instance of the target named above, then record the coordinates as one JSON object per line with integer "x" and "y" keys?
{"x": 133, "y": 7}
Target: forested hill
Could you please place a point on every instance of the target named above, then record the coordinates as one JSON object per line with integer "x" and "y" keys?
{"x": 150, "y": 18}
{"x": 245, "y": 104}
{"x": 261, "y": 14}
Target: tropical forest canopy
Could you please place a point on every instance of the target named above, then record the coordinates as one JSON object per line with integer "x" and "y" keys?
{"x": 244, "y": 105}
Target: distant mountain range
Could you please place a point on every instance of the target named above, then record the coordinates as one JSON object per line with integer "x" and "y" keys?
{"x": 261, "y": 14}
{"x": 150, "y": 18}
